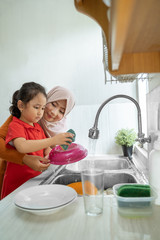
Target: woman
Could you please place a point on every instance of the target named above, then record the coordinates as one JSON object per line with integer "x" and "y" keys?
{"x": 60, "y": 102}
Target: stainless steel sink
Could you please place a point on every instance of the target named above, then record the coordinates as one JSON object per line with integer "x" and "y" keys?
{"x": 117, "y": 169}
{"x": 110, "y": 179}
{"x": 105, "y": 164}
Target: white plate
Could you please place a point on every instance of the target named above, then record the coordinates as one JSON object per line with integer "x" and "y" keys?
{"x": 46, "y": 211}
{"x": 44, "y": 197}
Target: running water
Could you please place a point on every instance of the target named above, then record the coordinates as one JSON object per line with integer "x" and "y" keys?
{"x": 92, "y": 151}
{"x": 92, "y": 146}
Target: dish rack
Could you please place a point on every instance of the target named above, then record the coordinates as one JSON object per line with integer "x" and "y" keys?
{"x": 119, "y": 78}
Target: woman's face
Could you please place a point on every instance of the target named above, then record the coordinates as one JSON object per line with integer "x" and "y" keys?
{"x": 54, "y": 111}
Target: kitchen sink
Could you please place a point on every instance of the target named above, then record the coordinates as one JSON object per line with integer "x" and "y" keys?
{"x": 105, "y": 164}
{"x": 117, "y": 169}
{"x": 110, "y": 179}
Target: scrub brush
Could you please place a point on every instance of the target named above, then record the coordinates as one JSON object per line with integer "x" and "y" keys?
{"x": 65, "y": 147}
{"x": 134, "y": 190}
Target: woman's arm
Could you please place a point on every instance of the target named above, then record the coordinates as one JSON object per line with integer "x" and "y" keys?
{"x": 10, "y": 155}
{"x": 37, "y": 163}
{"x": 26, "y": 146}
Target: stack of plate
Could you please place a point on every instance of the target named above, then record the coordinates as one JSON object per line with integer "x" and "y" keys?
{"x": 44, "y": 199}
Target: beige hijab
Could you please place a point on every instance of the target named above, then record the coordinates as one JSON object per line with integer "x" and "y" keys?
{"x": 55, "y": 94}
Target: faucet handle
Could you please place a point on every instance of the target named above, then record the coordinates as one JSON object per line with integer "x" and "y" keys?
{"x": 143, "y": 140}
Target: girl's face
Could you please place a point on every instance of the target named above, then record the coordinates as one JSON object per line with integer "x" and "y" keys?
{"x": 33, "y": 111}
{"x": 54, "y": 111}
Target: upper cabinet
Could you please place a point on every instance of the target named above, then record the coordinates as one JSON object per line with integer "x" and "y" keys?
{"x": 132, "y": 32}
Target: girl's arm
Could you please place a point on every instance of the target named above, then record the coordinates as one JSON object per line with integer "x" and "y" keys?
{"x": 26, "y": 146}
{"x": 12, "y": 155}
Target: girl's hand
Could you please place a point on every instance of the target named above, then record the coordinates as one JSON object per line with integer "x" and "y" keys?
{"x": 37, "y": 163}
{"x": 47, "y": 151}
{"x": 63, "y": 139}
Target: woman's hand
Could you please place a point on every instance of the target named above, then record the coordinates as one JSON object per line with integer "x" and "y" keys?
{"x": 37, "y": 163}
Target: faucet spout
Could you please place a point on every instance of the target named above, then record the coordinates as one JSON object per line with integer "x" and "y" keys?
{"x": 94, "y": 132}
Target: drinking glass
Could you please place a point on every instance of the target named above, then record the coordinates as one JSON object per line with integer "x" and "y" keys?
{"x": 93, "y": 189}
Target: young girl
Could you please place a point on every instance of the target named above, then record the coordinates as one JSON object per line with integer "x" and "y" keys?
{"x": 37, "y": 163}
{"x": 26, "y": 135}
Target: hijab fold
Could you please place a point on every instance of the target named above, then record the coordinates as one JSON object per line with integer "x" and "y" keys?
{"x": 58, "y": 93}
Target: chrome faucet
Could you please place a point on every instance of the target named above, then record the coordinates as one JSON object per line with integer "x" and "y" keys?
{"x": 94, "y": 132}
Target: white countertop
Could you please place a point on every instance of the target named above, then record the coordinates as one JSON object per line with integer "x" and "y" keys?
{"x": 71, "y": 222}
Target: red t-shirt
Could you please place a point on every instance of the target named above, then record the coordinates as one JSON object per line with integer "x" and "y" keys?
{"x": 16, "y": 174}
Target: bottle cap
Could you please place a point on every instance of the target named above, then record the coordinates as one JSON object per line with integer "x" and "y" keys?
{"x": 157, "y": 142}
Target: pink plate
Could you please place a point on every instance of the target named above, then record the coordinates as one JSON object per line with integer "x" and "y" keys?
{"x": 74, "y": 153}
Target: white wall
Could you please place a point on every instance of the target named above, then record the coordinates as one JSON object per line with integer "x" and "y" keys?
{"x": 49, "y": 42}
{"x": 113, "y": 117}
{"x": 153, "y": 109}
{"x": 154, "y": 82}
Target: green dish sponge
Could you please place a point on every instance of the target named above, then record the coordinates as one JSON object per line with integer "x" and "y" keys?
{"x": 65, "y": 147}
{"x": 134, "y": 190}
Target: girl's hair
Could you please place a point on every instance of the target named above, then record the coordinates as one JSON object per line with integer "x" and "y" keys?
{"x": 26, "y": 93}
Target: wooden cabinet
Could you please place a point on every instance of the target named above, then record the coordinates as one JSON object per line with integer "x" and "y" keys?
{"x": 132, "y": 33}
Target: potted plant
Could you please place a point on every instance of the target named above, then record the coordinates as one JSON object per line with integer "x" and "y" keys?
{"x": 126, "y": 138}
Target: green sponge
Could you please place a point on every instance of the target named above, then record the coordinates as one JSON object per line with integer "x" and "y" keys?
{"x": 65, "y": 147}
{"x": 134, "y": 190}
